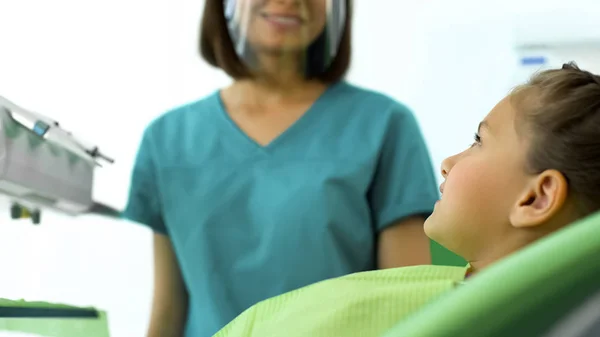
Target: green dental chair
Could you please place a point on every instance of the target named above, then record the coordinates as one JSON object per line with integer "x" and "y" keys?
{"x": 549, "y": 289}
{"x": 440, "y": 256}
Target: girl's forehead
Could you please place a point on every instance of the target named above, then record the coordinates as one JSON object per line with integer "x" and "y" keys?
{"x": 498, "y": 115}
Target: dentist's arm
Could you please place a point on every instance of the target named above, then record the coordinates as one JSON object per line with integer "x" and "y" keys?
{"x": 403, "y": 244}
{"x": 144, "y": 206}
{"x": 403, "y": 193}
{"x": 169, "y": 303}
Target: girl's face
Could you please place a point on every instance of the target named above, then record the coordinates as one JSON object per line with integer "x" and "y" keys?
{"x": 275, "y": 26}
{"x": 481, "y": 187}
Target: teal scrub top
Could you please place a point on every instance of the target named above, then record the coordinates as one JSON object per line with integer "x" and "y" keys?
{"x": 249, "y": 222}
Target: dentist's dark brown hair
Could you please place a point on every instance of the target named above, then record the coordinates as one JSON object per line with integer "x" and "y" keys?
{"x": 216, "y": 47}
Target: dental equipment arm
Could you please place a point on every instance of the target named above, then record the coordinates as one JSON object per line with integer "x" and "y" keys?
{"x": 44, "y": 166}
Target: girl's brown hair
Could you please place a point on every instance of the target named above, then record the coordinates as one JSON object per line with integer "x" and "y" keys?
{"x": 559, "y": 113}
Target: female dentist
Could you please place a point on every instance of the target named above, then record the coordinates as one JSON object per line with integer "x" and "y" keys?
{"x": 287, "y": 177}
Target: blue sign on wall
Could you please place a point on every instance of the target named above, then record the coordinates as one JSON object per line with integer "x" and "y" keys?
{"x": 533, "y": 60}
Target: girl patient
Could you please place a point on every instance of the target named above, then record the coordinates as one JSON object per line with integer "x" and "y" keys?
{"x": 533, "y": 168}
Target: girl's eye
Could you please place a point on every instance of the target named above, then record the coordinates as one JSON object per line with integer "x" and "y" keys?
{"x": 477, "y": 140}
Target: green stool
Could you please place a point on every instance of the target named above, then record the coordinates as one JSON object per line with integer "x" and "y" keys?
{"x": 52, "y": 320}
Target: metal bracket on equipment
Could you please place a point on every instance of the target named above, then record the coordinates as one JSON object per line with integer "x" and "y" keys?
{"x": 44, "y": 166}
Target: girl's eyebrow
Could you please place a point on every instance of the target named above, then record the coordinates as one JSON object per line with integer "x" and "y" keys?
{"x": 483, "y": 125}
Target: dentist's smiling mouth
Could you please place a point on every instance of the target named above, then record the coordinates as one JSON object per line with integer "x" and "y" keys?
{"x": 284, "y": 20}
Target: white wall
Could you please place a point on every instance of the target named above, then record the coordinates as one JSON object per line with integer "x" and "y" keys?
{"x": 105, "y": 69}
{"x": 453, "y": 60}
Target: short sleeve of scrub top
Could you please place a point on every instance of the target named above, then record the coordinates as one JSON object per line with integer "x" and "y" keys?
{"x": 143, "y": 205}
{"x": 249, "y": 222}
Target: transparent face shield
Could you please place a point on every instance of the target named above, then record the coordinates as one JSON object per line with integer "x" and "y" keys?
{"x": 279, "y": 35}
